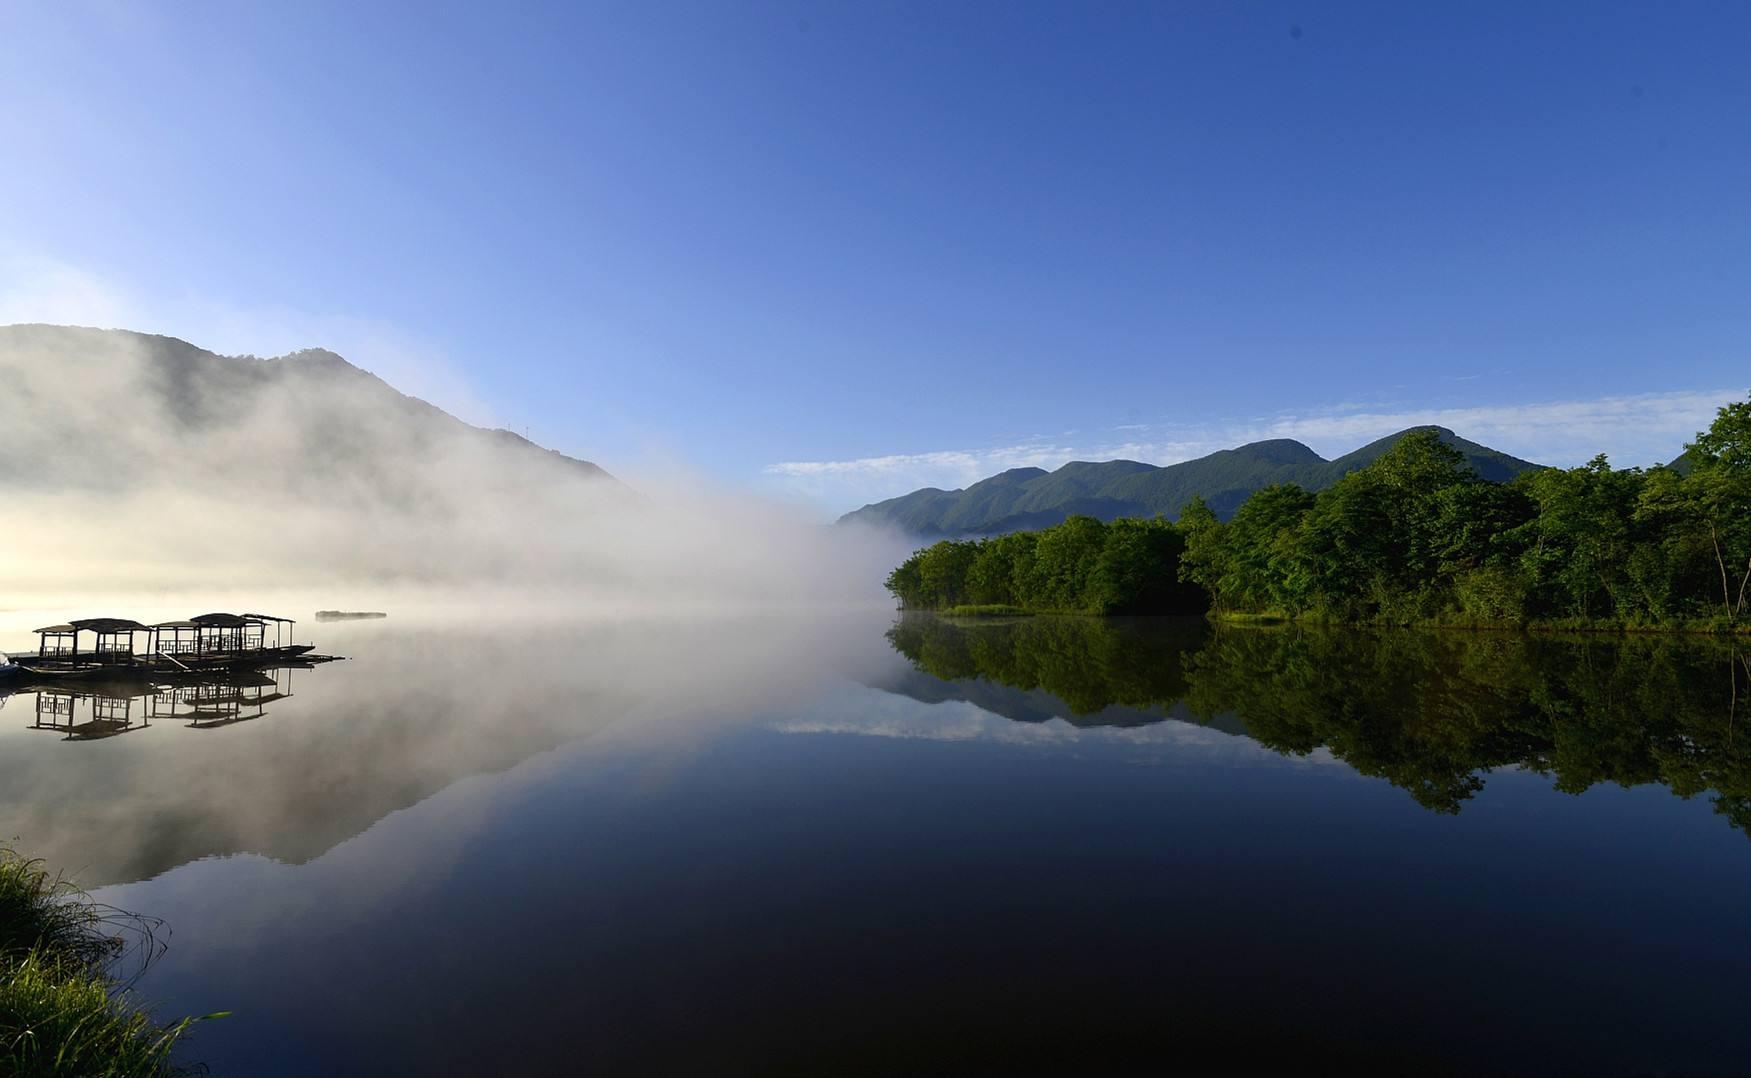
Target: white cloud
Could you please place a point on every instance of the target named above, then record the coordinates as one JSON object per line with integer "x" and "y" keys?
{"x": 1638, "y": 429}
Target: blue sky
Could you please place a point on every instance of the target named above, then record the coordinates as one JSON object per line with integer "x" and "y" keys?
{"x": 839, "y": 251}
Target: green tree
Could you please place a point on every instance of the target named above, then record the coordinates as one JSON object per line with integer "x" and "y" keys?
{"x": 1205, "y": 560}
{"x": 1720, "y": 497}
{"x": 991, "y": 577}
{"x": 1584, "y": 530}
{"x": 1081, "y": 565}
{"x": 1064, "y": 560}
{"x": 906, "y": 583}
{"x": 1347, "y": 547}
{"x": 942, "y": 572}
{"x": 1137, "y": 571}
{"x": 1673, "y": 567}
{"x": 1259, "y": 547}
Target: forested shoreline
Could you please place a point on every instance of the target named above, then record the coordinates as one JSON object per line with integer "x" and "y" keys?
{"x": 1414, "y": 538}
{"x": 1082, "y": 566}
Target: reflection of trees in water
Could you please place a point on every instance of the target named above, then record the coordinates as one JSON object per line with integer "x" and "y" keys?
{"x": 1427, "y": 711}
{"x": 1088, "y": 663}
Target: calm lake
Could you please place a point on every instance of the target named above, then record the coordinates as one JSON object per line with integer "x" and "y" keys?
{"x": 860, "y": 843}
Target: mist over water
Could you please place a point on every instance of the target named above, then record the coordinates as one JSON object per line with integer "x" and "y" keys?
{"x": 415, "y": 708}
{"x": 142, "y": 477}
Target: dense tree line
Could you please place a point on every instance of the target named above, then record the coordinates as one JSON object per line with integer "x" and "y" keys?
{"x": 1080, "y": 566}
{"x": 1417, "y": 536}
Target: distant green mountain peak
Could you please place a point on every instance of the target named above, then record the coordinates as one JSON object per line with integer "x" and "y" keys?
{"x": 1023, "y": 498}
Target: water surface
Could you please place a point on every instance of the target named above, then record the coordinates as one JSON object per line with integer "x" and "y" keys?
{"x": 874, "y": 845}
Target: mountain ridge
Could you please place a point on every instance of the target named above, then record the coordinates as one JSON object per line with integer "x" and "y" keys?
{"x": 1128, "y": 488}
{"x": 312, "y": 404}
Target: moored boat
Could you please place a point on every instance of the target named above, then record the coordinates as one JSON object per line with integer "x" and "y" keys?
{"x": 60, "y": 670}
{"x": 172, "y": 649}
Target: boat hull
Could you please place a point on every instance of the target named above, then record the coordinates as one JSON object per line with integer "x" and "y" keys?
{"x": 224, "y": 660}
{"x": 159, "y": 665}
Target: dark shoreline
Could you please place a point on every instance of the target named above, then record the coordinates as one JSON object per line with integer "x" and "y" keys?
{"x": 1236, "y": 620}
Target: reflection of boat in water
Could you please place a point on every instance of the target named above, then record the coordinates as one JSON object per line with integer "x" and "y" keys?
{"x": 107, "y": 711}
{"x": 60, "y": 672}
{"x": 223, "y": 701}
{"x": 206, "y": 643}
{"x": 88, "y": 710}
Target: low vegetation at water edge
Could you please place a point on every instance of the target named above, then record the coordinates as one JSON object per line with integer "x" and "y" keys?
{"x": 65, "y": 1008}
{"x": 1417, "y": 537}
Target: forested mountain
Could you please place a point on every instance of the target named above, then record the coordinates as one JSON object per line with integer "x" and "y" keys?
{"x": 1416, "y": 537}
{"x": 1024, "y": 498}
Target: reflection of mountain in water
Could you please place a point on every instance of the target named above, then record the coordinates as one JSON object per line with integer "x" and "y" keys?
{"x": 1088, "y": 672}
{"x": 1431, "y": 712}
{"x": 240, "y": 765}
{"x": 1087, "y": 663}
{"x": 1018, "y": 705}
{"x": 414, "y": 712}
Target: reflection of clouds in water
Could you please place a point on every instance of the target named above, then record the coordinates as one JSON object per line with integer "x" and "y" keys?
{"x": 870, "y": 712}
{"x": 240, "y": 899}
{"x": 243, "y": 901}
{"x": 881, "y": 715}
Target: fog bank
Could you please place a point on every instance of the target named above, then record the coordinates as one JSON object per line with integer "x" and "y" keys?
{"x": 143, "y": 467}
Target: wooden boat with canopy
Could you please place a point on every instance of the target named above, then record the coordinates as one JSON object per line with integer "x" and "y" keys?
{"x": 58, "y": 653}
{"x": 214, "y": 641}
{"x": 220, "y": 640}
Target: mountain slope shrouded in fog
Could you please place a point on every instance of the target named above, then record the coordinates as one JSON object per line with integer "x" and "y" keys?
{"x": 101, "y": 409}
{"x": 136, "y": 461}
{"x": 1026, "y": 498}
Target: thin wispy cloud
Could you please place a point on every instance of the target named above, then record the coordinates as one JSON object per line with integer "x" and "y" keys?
{"x": 1634, "y": 429}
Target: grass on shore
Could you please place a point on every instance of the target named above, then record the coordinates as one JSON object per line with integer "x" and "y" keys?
{"x": 1240, "y": 617}
{"x": 1693, "y": 627}
{"x": 63, "y": 1009}
{"x": 1001, "y": 610}
{"x": 983, "y": 610}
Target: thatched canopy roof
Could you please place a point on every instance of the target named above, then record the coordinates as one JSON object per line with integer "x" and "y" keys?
{"x": 224, "y": 621}
{"x": 270, "y": 617}
{"x": 108, "y": 625}
{"x": 58, "y": 630}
